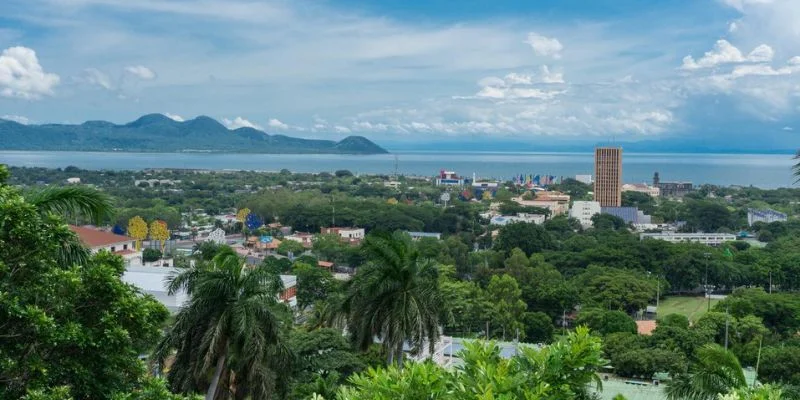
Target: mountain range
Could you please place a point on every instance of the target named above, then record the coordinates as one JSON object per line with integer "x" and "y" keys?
{"x": 159, "y": 133}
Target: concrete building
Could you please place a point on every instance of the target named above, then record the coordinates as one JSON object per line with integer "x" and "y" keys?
{"x": 583, "y": 211}
{"x": 420, "y": 235}
{"x": 672, "y": 189}
{"x": 352, "y": 235}
{"x": 710, "y": 239}
{"x": 502, "y": 220}
{"x": 765, "y": 216}
{"x": 631, "y": 215}
{"x": 306, "y": 239}
{"x": 556, "y": 207}
{"x": 450, "y": 178}
{"x": 289, "y": 293}
{"x": 150, "y": 280}
{"x": 587, "y": 179}
{"x": 97, "y": 240}
{"x": 73, "y": 181}
{"x": 652, "y": 191}
{"x": 608, "y": 176}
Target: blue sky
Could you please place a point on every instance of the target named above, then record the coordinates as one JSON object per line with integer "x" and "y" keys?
{"x": 715, "y": 72}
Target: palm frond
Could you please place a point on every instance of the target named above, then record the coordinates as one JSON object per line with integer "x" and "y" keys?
{"x": 73, "y": 200}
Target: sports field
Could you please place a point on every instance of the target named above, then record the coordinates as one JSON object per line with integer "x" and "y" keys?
{"x": 690, "y": 306}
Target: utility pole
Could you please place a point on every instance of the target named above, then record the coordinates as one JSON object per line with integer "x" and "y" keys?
{"x": 708, "y": 295}
{"x": 727, "y": 315}
{"x": 770, "y": 281}
{"x": 333, "y": 212}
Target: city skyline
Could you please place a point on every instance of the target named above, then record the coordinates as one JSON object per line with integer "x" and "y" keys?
{"x": 717, "y": 73}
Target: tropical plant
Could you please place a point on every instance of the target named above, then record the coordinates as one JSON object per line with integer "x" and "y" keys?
{"x": 227, "y": 340}
{"x": 394, "y": 297}
{"x": 564, "y": 370}
{"x": 716, "y": 371}
{"x": 73, "y": 201}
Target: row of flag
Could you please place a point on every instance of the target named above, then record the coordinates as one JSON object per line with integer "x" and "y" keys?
{"x": 538, "y": 180}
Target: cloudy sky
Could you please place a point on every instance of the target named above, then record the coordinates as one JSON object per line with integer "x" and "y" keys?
{"x": 713, "y": 71}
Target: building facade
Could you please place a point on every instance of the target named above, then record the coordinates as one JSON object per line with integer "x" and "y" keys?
{"x": 710, "y": 239}
{"x": 97, "y": 240}
{"x": 583, "y": 211}
{"x": 608, "y": 176}
{"x": 502, "y": 220}
{"x": 652, "y": 191}
{"x": 765, "y": 216}
{"x": 346, "y": 234}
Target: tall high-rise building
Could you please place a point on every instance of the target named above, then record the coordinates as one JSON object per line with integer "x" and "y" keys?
{"x": 608, "y": 176}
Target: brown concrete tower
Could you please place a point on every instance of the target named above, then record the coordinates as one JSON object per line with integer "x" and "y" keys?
{"x": 608, "y": 176}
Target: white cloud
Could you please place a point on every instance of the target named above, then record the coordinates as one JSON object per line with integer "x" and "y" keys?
{"x": 545, "y": 46}
{"x": 16, "y": 118}
{"x": 762, "y": 53}
{"x": 93, "y": 76}
{"x": 794, "y": 60}
{"x": 141, "y": 72}
{"x": 22, "y": 76}
{"x": 341, "y": 129}
{"x": 741, "y": 4}
{"x": 788, "y": 128}
{"x": 723, "y": 52}
{"x": 759, "y": 69}
{"x": 726, "y": 53}
{"x": 174, "y": 117}
{"x": 733, "y": 27}
{"x": 239, "y": 122}
{"x": 550, "y": 77}
{"x": 277, "y": 124}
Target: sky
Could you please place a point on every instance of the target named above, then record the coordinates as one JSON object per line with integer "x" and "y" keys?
{"x": 712, "y": 72}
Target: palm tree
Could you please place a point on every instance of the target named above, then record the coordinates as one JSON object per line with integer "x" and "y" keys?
{"x": 395, "y": 297}
{"x": 228, "y": 339}
{"x": 72, "y": 201}
{"x": 717, "y": 371}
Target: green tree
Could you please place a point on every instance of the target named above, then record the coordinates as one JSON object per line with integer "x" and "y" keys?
{"x": 605, "y": 322}
{"x": 150, "y": 255}
{"x": 69, "y": 326}
{"x": 290, "y": 246}
{"x": 528, "y": 237}
{"x": 538, "y": 327}
{"x": 230, "y": 327}
{"x": 508, "y": 308}
{"x": 608, "y": 222}
{"x": 395, "y": 296}
{"x": 313, "y": 284}
{"x": 563, "y": 370}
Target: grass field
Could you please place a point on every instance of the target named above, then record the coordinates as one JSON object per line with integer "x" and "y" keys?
{"x": 690, "y": 306}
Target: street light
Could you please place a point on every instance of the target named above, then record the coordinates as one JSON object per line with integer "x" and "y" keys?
{"x": 708, "y": 295}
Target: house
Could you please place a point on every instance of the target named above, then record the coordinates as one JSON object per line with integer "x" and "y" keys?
{"x": 304, "y": 238}
{"x": 289, "y": 293}
{"x": 97, "y": 240}
{"x": 645, "y": 328}
{"x": 325, "y": 264}
{"x": 351, "y": 235}
{"x": 73, "y": 181}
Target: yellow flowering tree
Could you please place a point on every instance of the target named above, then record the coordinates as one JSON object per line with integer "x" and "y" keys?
{"x": 159, "y": 231}
{"x": 241, "y": 216}
{"x": 137, "y": 229}
{"x": 487, "y": 195}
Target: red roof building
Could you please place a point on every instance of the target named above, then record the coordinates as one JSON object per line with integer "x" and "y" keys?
{"x": 97, "y": 240}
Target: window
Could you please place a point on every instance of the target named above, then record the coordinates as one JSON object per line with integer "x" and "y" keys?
{"x": 113, "y": 249}
{"x": 124, "y": 247}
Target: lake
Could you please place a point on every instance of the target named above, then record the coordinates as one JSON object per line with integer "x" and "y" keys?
{"x": 766, "y": 171}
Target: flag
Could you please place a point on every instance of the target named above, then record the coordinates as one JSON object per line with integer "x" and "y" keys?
{"x": 536, "y": 180}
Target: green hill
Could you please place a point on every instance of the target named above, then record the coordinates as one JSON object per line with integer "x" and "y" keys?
{"x": 158, "y": 133}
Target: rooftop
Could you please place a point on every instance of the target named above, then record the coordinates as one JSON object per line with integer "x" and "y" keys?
{"x": 645, "y": 327}
{"x": 97, "y": 238}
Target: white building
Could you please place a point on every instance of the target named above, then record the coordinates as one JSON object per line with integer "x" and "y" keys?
{"x": 521, "y": 217}
{"x": 556, "y": 206}
{"x": 587, "y": 179}
{"x": 348, "y": 234}
{"x": 583, "y": 211}
{"x": 710, "y": 239}
{"x": 765, "y": 216}
{"x": 73, "y": 181}
{"x": 151, "y": 280}
{"x": 653, "y": 191}
{"x": 97, "y": 240}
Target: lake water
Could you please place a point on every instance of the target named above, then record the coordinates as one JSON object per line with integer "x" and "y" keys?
{"x": 767, "y": 171}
